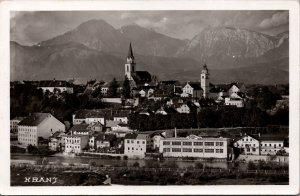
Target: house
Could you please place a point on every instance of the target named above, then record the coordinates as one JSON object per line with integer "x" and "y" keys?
{"x": 104, "y": 141}
{"x": 270, "y": 144}
{"x": 158, "y": 96}
{"x": 155, "y": 139}
{"x": 14, "y": 124}
{"x": 165, "y": 110}
{"x": 80, "y": 129}
{"x": 249, "y": 144}
{"x": 187, "y": 108}
{"x": 194, "y": 146}
{"x": 233, "y": 88}
{"x": 55, "y": 85}
{"x": 57, "y": 141}
{"x": 89, "y": 116}
{"x": 92, "y": 85}
{"x": 75, "y": 143}
{"x": 193, "y": 89}
{"x": 234, "y": 102}
{"x": 121, "y": 115}
{"x": 112, "y": 125}
{"x": 38, "y": 126}
{"x": 105, "y": 87}
{"x": 135, "y": 145}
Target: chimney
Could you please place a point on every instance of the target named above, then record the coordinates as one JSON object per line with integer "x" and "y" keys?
{"x": 175, "y": 132}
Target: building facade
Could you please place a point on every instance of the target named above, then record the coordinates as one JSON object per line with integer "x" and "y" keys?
{"x": 194, "y": 146}
{"x": 248, "y": 144}
{"x": 76, "y": 143}
{"x": 135, "y": 145}
{"x": 38, "y": 126}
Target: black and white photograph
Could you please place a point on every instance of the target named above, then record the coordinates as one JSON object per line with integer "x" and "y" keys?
{"x": 134, "y": 97}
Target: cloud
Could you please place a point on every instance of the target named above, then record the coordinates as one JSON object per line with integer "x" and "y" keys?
{"x": 277, "y": 19}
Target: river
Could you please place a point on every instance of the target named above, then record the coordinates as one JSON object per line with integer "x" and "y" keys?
{"x": 115, "y": 162}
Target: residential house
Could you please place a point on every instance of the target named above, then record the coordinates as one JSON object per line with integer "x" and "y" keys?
{"x": 135, "y": 145}
{"x": 89, "y": 116}
{"x": 193, "y": 89}
{"x": 55, "y": 85}
{"x": 80, "y": 129}
{"x": 270, "y": 144}
{"x": 76, "y": 143}
{"x": 37, "y": 127}
{"x": 248, "y": 144}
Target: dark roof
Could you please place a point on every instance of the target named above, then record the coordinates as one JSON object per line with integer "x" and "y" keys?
{"x": 35, "y": 119}
{"x": 79, "y": 128}
{"x": 131, "y": 136}
{"x": 54, "y": 83}
{"x": 195, "y": 85}
{"x": 18, "y": 118}
{"x": 169, "y": 82}
{"x": 104, "y": 137}
{"x": 130, "y": 53}
{"x": 142, "y": 76}
{"x": 56, "y": 134}
{"x": 272, "y": 137}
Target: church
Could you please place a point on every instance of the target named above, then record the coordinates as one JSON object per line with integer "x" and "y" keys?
{"x": 136, "y": 78}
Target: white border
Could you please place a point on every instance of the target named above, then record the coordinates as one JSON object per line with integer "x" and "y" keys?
{"x": 292, "y": 6}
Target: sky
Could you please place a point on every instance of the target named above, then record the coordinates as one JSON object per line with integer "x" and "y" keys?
{"x": 29, "y": 28}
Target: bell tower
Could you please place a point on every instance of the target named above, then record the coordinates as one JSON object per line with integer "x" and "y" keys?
{"x": 130, "y": 64}
{"x": 205, "y": 81}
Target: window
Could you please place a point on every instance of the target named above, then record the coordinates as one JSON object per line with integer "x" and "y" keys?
{"x": 137, "y": 142}
{"x": 187, "y": 150}
{"x": 166, "y": 149}
{"x": 208, "y": 143}
{"x": 253, "y": 149}
{"x": 132, "y": 148}
{"x": 248, "y": 149}
{"x": 187, "y": 143}
{"x": 219, "y": 143}
{"x": 275, "y": 145}
{"x": 166, "y": 143}
{"x": 279, "y": 145}
{"x": 176, "y": 143}
{"x": 265, "y": 144}
{"x": 198, "y": 143}
{"x": 221, "y": 150}
{"x": 128, "y": 148}
{"x": 270, "y": 145}
{"x": 143, "y": 142}
{"x": 176, "y": 149}
{"x": 209, "y": 150}
{"x": 198, "y": 150}
{"x": 132, "y": 141}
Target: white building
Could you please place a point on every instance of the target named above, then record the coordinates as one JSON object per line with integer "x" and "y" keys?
{"x": 76, "y": 143}
{"x": 192, "y": 89}
{"x": 194, "y": 146}
{"x": 270, "y": 145}
{"x": 88, "y": 117}
{"x": 234, "y": 102}
{"x": 57, "y": 141}
{"x": 52, "y": 85}
{"x": 14, "y": 124}
{"x": 249, "y": 144}
{"x": 135, "y": 145}
{"x": 38, "y": 125}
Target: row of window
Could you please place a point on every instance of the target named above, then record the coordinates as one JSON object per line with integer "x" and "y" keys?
{"x": 26, "y": 135}
{"x": 266, "y": 145}
{"x": 191, "y": 150}
{"x": 132, "y": 141}
{"x": 67, "y": 146}
{"x": 27, "y": 140}
{"x": 136, "y": 149}
{"x": 190, "y": 143}
{"x": 76, "y": 141}
{"x": 27, "y": 129}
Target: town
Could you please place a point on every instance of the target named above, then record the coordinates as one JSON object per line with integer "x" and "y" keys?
{"x": 144, "y": 118}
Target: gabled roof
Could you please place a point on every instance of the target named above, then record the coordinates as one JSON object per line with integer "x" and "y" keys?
{"x": 269, "y": 137}
{"x": 82, "y": 114}
{"x": 142, "y": 136}
{"x": 19, "y": 118}
{"x": 131, "y": 136}
{"x": 104, "y": 137}
{"x": 80, "y": 128}
{"x": 195, "y": 85}
{"x": 142, "y": 76}
{"x": 111, "y": 123}
{"x": 57, "y": 134}
{"x": 35, "y": 119}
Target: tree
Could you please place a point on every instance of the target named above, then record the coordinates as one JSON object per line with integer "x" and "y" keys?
{"x": 126, "y": 92}
{"x": 113, "y": 88}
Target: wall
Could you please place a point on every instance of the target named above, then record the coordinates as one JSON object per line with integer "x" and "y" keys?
{"x": 112, "y": 100}
{"x": 280, "y": 159}
{"x": 49, "y": 126}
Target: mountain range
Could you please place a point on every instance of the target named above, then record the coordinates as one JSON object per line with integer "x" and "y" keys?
{"x": 95, "y": 49}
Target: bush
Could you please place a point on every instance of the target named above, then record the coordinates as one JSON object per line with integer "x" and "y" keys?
{"x": 251, "y": 166}
{"x": 92, "y": 164}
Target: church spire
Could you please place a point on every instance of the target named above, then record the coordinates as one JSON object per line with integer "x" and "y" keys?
{"x": 130, "y": 53}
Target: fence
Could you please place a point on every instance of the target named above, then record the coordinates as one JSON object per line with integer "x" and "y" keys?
{"x": 87, "y": 167}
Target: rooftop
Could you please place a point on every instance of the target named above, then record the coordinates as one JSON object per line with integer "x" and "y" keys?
{"x": 35, "y": 119}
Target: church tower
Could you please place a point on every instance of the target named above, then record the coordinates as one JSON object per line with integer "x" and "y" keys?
{"x": 130, "y": 64}
{"x": 205, "y": 81}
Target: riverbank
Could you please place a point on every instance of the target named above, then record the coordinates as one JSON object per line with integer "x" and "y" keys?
{"x": 90, "y": 175}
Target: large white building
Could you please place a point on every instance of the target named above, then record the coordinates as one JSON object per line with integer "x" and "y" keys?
{"x": 76, "y": 143}
{"x": 88, "y": 117}
{"x": 194, "y": 146}
{"x": 52, "y": 85}
{"x": 37, "y": 126}
{"x": 260, "y": 144}
{"x": 135, "y": 145}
